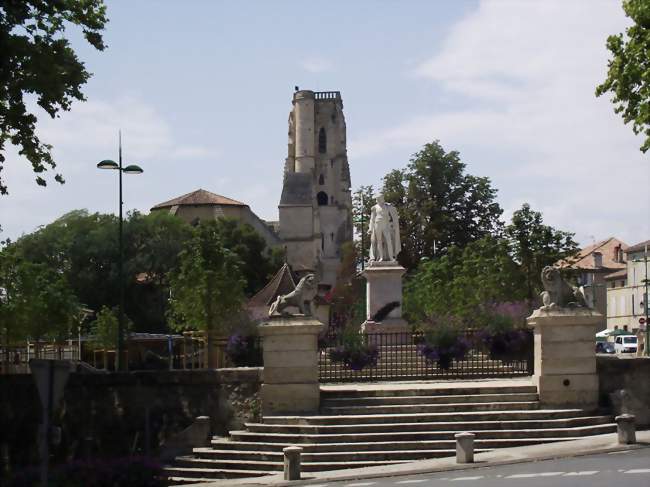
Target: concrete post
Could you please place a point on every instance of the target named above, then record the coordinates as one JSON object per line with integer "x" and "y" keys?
{"x": 464, "y": 447}
{"x": 565, "y": 358}
{"x": 292, "y": 462}
{"x": 625, "y": 426}
{"x": 290, "y": 347}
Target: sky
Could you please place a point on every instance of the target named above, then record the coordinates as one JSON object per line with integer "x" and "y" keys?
{"x": 202, "y": 89}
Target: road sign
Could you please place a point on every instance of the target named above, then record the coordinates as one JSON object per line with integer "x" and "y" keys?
{"x": 50, "y": 377}
{"x": 641, "y": 321}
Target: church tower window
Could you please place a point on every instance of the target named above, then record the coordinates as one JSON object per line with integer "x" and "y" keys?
{"x": 322, "y": 141}
{"x": 321, "y": 179}
{"x": 322, "y": 198}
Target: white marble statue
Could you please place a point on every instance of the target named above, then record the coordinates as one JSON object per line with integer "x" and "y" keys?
{"x": 385, "y": 243}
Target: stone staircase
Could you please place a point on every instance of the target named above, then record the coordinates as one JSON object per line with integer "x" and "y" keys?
{"x": 382, "y": 425}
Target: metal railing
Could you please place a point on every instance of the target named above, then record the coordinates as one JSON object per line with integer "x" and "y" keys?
{"x": 327, "y": 95}
{"x": 399, "y": 356}
{"x": 174, "y": 352}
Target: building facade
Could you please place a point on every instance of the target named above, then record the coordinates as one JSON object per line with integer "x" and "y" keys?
{"x": 204, "y": 205}
{"x": 316, "y": 203}
{"x": 626, "y": 290}
{"x": 591, "y": 265}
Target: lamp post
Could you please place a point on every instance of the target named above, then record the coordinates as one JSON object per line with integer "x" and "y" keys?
{"x": 131, "y": 169}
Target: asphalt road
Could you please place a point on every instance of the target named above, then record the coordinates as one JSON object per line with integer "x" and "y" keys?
{"x": 621, "y": 469}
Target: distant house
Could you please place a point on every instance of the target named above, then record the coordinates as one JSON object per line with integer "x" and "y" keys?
{"x": 204, "y": 205}
{"x": 592, "y": 264}
{"x": 626, "y": 299}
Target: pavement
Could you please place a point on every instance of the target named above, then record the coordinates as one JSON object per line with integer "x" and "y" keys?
{"x": 505, "y": 456}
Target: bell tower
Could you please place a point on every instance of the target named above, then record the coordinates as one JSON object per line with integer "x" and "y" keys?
{"x": 316, "y": 202}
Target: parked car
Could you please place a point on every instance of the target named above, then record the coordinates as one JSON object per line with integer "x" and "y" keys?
{"x": 625, "y": 344}
{"x": 605, "y": 347}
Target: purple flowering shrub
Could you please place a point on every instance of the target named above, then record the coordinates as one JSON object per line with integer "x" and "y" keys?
{"x": 244, "y": 351}
{"x": 443, "y": 342}
{"x": 354, "y": 351}
{"x": 505, "y": 335}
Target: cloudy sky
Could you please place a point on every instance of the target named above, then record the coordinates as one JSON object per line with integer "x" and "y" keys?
{"x": 202, "y": 90}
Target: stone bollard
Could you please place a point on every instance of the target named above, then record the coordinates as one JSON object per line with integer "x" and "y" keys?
{"x": 292, "y": 462}
{"x": 464, "y": 447}
{"x": 626, "y": 429}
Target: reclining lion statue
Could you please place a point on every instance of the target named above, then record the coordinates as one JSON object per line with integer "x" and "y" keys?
{"x": 558, "y": 293}
{"x": 302, "y": 298}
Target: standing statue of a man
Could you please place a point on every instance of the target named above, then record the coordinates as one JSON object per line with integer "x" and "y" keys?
{"x": 385, "y": 243}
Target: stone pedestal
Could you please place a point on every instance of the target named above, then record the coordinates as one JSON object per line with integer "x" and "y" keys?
{"x": 384, "y": 286}
{"x": 290, "y": 365}
{"x": 565, "y": 357}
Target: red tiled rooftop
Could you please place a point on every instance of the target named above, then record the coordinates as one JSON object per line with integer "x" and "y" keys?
{"x": 199, "y": 197}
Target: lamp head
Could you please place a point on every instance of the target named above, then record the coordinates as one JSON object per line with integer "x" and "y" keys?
{"x": 108, "y": 164}
{"x": 132, "y": 169}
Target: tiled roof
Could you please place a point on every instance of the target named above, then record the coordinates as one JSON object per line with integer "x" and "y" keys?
{"x": 281, "y": 283}
{"x": 617, "y": 275}
{"x": 199, "y": 197}
{"x": 585, "y": 258}
{"x": 638, "y": 247}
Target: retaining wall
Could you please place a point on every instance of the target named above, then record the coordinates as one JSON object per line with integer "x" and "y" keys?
{"x": 625, "y": 386}
{"x": 125, "y": 413}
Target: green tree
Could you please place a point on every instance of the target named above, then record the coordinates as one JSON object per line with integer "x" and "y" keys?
{"x": 362, "y": 203}
{"x": 207, "y": 289}
{"x": 38, "y": 61}
{"x": 535, "y": 245}
{"x": 257, "y": 264}
{"x": 39, "y": 302}
{"x": 105, "y": 330}
{"x": 463, "y": 281}
{"x": 628, "y": 75}
{"x": 439, "y": 204}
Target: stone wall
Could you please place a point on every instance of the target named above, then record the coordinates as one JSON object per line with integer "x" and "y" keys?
{"x": 114, "y": 414}
{"x": 625, "y": 387}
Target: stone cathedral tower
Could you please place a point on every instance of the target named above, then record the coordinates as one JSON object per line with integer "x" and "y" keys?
{"x": 316, "y": 203}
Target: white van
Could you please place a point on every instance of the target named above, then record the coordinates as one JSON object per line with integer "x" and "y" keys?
{"x": 625, "y": 344}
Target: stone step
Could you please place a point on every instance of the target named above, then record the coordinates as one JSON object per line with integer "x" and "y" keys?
{"x": 430, "y": 408}
{"x": 335, "y": 457}
{"x": 240, "y": 449}
{"x": 186, "y": 480}
{"x": 329, "y": 392}
{"x": 449, "y": 425}
{"x": 257, "y": 466}
{"x": 404, "y": 400}
{"x": 269, "y": 441}
{"x": 194, "y": 474}
{"x": 464, "y": 416}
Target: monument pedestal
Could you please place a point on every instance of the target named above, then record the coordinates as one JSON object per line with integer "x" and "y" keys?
{"x": 565, "y": 358}
{"x": 290, "y": 347}
{"x": 384, "y": 292}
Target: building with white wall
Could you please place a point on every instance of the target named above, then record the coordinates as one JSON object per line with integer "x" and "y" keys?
{"x": 626, "y": 290}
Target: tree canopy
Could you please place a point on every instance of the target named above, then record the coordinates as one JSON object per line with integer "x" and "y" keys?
{"x": 439, "y": 204}
{"x": 534, "y": 245}
{"x": 463, "y": 281}
{"x": 81, "y": 250}
{"x": 207, "y": 288}
{"x": 38, "y": 62}
{"x": 628, "y": 74}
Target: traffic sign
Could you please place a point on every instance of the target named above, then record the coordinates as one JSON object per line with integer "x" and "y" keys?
{"x": 642, "y": 321}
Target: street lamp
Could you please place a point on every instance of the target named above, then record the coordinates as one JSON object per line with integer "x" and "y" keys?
{"x": 131, "y": 169}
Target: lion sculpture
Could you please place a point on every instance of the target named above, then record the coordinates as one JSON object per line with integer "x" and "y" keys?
{"x": 302, "y": 298}
{"x": 558, "y": 293}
